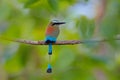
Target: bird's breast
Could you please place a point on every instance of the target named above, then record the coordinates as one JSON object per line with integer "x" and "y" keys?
{"x": 52, "y": 31}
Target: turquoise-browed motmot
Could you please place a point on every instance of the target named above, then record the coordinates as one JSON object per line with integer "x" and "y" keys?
{"x": 52, "y": 33}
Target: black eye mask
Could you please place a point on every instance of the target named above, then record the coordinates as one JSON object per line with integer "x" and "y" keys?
{"x": 58, "y": 23}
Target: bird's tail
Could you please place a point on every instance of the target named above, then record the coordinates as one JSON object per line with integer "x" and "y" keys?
{"x": 50, "y": 49}
{"x": 49, "y": 70}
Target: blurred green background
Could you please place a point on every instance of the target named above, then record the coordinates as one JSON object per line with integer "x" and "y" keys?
{"x": 27, "y": 19}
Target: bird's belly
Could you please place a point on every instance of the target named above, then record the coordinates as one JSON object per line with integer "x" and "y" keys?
{"x": 55, "y": 33}
{"x": 51, "y": 38}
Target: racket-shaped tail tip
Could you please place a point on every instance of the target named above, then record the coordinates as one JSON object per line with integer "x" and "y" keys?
{"x": 49, "y": 70}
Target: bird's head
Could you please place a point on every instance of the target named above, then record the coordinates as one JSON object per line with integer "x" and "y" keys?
{"x": 56, "y": 23}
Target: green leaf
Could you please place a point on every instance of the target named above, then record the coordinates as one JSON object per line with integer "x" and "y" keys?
{"x": 54, "y": 4}
{"x": 4, "y": 11}
{"x": 29, "y": 3}
{"x": 23, "y": 1}
{"x": 85, "y": 27}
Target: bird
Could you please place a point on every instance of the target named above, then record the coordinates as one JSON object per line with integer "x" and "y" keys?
{"x": 52, "y": 32}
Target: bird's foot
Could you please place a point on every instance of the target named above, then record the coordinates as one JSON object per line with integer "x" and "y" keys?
{"x": 49, "y": 41}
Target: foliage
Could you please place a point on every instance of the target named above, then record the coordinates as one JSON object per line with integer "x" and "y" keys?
{"x": 27, "y": 19}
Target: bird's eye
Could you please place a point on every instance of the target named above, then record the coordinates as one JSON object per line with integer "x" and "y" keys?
{"x": 53, "y": 24}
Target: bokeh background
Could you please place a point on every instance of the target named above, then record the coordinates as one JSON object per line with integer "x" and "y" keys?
{"x": 85, "y": 20}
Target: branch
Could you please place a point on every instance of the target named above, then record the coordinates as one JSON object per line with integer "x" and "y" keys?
{"x": 67, "y": 42}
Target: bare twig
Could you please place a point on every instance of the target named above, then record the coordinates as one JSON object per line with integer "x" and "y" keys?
{"x": 67, "y": 42}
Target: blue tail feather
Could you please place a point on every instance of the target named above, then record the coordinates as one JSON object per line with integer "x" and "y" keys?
{"x": 49, "y": 66}
{"x": 49, "y": 70}
{"x": 50, "y": 49}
